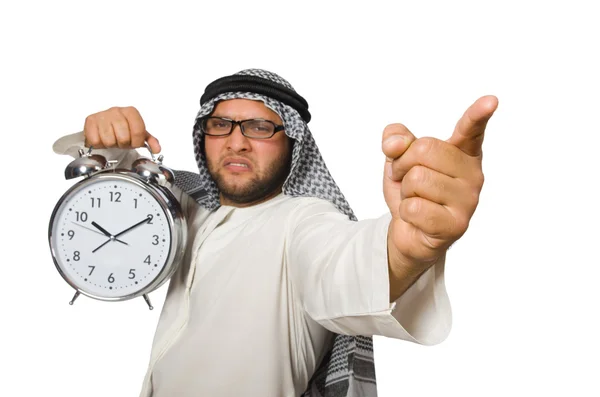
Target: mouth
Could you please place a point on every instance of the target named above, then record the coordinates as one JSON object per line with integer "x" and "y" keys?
{"x": 237, "y": 165}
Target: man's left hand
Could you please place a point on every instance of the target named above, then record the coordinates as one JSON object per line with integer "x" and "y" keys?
{"x": 432, "y": 188}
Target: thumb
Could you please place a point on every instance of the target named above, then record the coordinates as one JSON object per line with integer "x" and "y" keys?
{"x": 469, "y": 131}
{"x": 153, "y": 142}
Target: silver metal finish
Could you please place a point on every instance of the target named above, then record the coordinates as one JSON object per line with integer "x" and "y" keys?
{"x": 77, "y": 293}
{"x": 85, "y": 165}
{"x": 148, "y": 302}
{"x": 153, "y": 170}
{"x": 175, "y": 220}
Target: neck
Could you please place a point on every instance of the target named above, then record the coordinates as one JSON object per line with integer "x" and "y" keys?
{"x": 225, "y": 201}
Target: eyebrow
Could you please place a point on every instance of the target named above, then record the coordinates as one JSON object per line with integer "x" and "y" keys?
{"x": 254, "y": 118}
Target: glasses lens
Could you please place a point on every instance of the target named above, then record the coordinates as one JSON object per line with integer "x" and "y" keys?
{"x": 258, "y": 129}
{"x": 216, "y": 126}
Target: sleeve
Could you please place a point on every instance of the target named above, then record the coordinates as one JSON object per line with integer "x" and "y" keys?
{"x": 340, "y": 272}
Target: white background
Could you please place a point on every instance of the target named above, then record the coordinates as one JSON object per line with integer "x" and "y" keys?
{"x": 523, "y": 281}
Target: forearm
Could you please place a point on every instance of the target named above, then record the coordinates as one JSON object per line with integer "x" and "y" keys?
{"x": 341, "y": 272}
{"x": 403, "y": 272}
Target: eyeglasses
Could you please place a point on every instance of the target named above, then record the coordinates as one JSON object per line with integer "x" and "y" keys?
{"x": 254, "y": 128}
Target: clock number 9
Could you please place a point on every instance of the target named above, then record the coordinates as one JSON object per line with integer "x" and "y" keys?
{"x": 71, "y": 234}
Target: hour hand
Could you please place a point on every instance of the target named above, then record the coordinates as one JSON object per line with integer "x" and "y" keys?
{"x": 106, "y": 233}
{"x": 103, "y": 230}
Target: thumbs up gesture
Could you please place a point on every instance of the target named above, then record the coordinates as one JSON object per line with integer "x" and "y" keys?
{"x": 432, "y": 187}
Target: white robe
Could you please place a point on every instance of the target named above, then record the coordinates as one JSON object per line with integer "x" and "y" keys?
{"x": 250, "y": 310}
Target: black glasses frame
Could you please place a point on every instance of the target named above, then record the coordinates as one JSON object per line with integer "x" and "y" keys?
{"x": 276, "y": 129}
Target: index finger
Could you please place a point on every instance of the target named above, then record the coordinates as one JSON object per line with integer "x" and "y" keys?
{"x": 469, "y": 131}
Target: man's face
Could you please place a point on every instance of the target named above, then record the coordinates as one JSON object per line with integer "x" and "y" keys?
{"x": 267, "y": 161}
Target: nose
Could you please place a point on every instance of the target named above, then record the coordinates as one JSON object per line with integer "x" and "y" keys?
{"x": 236, "y": 141}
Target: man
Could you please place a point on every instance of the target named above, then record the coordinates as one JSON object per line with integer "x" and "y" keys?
{"x": 281, "y": 288}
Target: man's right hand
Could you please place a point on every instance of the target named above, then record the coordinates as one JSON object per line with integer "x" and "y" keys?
{"x": 121, "y": 127}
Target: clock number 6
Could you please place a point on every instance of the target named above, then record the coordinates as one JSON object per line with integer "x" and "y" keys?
{"x": 111, "y": 279}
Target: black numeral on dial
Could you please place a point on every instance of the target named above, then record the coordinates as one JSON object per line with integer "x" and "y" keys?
{"x": 115, "y": 197}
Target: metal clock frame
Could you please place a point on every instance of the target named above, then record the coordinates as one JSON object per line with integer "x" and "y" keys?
{"x": 175, "y": 219}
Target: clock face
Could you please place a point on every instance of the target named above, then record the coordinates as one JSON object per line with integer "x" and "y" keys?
{"x": 111, "y": 237}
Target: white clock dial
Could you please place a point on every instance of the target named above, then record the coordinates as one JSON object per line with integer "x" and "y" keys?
{"x": 105, "y": 266}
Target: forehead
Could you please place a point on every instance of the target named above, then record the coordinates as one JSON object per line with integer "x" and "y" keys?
{"x": 242, "y": 109}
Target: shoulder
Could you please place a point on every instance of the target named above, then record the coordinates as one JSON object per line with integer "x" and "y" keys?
{"x": 306, "y": 205}
{"x": 300, "y": 210}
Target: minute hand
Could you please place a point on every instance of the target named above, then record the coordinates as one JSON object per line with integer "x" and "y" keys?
{"x": 132, "y": 227}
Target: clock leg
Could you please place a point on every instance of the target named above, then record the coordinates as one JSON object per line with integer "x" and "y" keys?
{"x": 74, "y": 297}
{"x": 148, "y": 301}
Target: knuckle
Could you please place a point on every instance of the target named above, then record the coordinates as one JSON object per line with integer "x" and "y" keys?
{"x": 416, "y": 175}
{"x": 479, "y": 179}
{"x": 413, "y": 207}
{"x": 130, "y": 111}
{"x": 460, "y": 226}
{"x": 89, "y": 123}
{"x": 113, "y": 113}
{"x": 474, "y": 199}
{"x": 423, "y": 146}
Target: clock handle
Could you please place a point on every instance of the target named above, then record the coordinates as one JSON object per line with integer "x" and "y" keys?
{"x": 160, "y": 157}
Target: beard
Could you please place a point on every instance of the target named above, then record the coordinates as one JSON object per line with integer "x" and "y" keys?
{"x": 257, "y": 188}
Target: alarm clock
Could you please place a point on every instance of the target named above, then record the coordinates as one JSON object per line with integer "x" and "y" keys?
{"x": 118, "y": 233}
